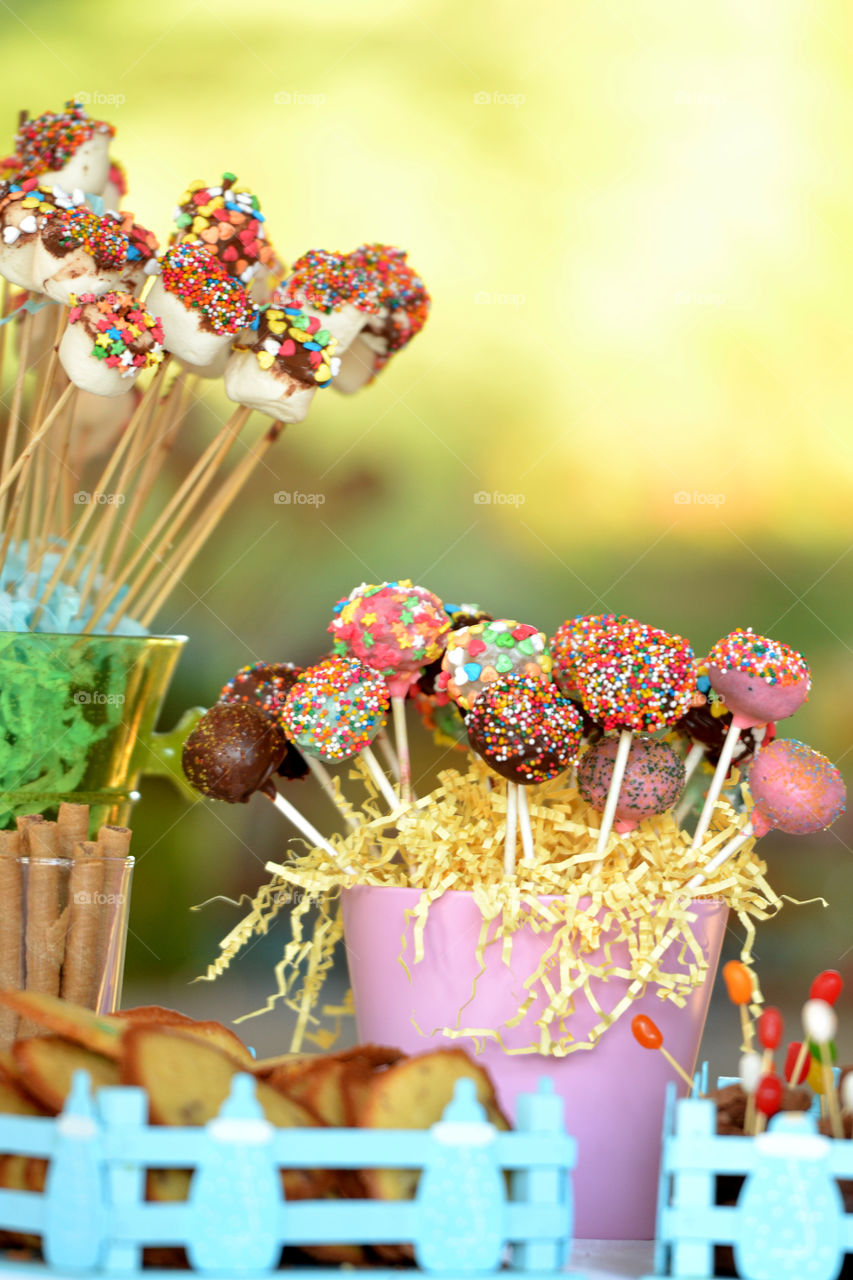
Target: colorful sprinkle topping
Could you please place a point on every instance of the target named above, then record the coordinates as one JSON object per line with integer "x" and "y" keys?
{"x": 288, "y": 337}
{"x": 524, "y": 729}
{"x": 477, "y": 656}
{"x": 401, "y": 291}
{"x": 35, "y": 203}
{"x": 328, "y": 281}
{"x": 100, "y": 238}
{"x": 190, "y": 273}
{"x": 637, "y": 678}
{"x": 125, "y": 335}
{"x": 335, "y": 709}
{"x": 395, "y": 627}
{"x": 769, "y": 660}
{"x": 794, "y": 788}
{"x": 49, "y": 141}
{"x": 263, "y": 684}
{"x": 573, "y": 638}
{"x": 227, "y": 220}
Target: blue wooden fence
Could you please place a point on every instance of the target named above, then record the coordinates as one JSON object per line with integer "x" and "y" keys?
{"x": 789, "y": 1221}
{"x": 93, "y": 1216}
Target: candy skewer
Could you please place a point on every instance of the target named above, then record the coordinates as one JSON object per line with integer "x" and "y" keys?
{"x": 720, "y": 775}
{"x": 527, "y": 844}
{"x": 24, "y": 458}
{"x": 378, "y": 776}
{"x": 619, "y": 766}
{"x": 847, "y": 1096}
{"x": 648, "y": 1034}
{"x": 511, "y": 824}
{"x": 389, "y": 755}
{"x": 323, "y": 777}
{"x": 401, "y": 738}
{"x": 302, "y": 824}
{"x": 14, "y": 419}
{"x": 820, "y": 1024}
{"x": 738, "y": 982}
{"x": 5, "y": 294}
{"x": 729, "y": 849}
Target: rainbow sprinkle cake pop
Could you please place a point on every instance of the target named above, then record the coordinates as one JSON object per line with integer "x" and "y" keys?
{"x": 652, "y": 782}
{"x": 477, "y": 656}
{"x": 335, "y": 709}
{"x": 524, "y": 729}
{"x": 636, "y": 677}
{"x": 758, "y": 679}
{"x": 573, "y": 638}
{"x": 395, "y": 627}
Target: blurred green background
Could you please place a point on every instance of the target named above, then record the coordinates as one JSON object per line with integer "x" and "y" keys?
{"x": 634, "y": 220}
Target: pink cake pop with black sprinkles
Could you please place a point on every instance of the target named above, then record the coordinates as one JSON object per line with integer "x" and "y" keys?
{"x": 477, "y": 656}
{"x": 395, "y": 627}
{"x": 335, "y": 709}
{"x": 524, "y": 729}
{"x": 652, "y": 782}
{"x": 758, "y": 679}
{"x": 637, "y": 678}
{"x": 573, "y": 638}
{"x": 794, "y": 789}
{"x": 265, "y": 685}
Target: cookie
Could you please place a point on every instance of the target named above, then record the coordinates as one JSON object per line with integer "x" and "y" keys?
{"x": 46, "y": 1065}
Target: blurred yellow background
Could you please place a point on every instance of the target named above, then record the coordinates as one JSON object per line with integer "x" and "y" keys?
{"x": 634, "y": 220}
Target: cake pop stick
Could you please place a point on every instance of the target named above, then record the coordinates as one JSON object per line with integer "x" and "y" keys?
{"x": 749, "y": 1072}
{"x": 646, "y": 782}
{"x": 379, "y": 778}
{"x": 25, "y": 457}
{"x": 760, "y": 680}
{"x": 738, "y": 982}
{"x": 648, "y": 1034}
{"x": 770, "y": 1028}
{"x": 401, "y": 742}
{"x": 820, "y": 1025}
{"x": 511, "y": 828}
{"x": 527, "y": 845}
{"x": 795, "y": 789}
{"x": 389, "y": 755}
{"x": 324, "y": 779}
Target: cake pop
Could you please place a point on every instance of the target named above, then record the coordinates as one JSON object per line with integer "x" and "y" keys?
{"x": 476, "y": 656}
{"x": 202, "y": 309}
{"x": 460, "y": 616}
{"x": 524, "y": 729}
{"x": 77, "y": 252}
{"x": 794, "y": 789}
{"x": 404, "y": 307}
{"x": 227, "y": 220}
{"x": 652, "y": 782}
{"x": 759, "y": 680}
{"x": 233, "y": 752}
{"x": 572, "y": 638}
{"x": 279, "y": 371}
{"x": 66, "y": 149}
{"x": 265, "y": 685}
{"x": 108, "y": 342}
{"x": 24, "y": 210}
{"x": 333, "y": 290}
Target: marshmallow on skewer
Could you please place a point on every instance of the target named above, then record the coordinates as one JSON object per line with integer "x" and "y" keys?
{"x": 227, "y": 220}
{"x": 79, "y": 252}
{"x": 24, "y": 210}
{"x": 108, "y": 342}
{"x": 66, "y": 149}
{"x": 281, "y": 368}
{"x": 116, "y": 187}
{"x": 331, "y": 289}
{"x": 201, "y": 307}
{"x": 403, "y": 313}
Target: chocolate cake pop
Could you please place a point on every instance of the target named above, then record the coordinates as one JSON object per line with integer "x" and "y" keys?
{"x": 329, "y": 287}
{"x": 227, "y": 220}
{"x": 66, "y": 149}
{"x": 404, "y": 307}
{"x": 758, "y": 679}
{"x": 794, "y": 789}
{"x": 700, "y": 725}
{"x": 277, "y": 367}
{"x": 477, "y": 656}
{"x": 335, "y": 709}
{"x": 233, "y": 752}
{"x": 108, "y": 342}
{"x": 265, "y": 685}
{"x": 524, "y": 729}
{"x": 202, "y": 309}
{"x": 652, "y": 782}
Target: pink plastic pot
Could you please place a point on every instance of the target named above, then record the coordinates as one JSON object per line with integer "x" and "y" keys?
{"x": 614, "y": 1093}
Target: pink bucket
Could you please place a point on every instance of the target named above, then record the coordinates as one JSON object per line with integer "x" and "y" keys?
{"x": 613, "y": 1093}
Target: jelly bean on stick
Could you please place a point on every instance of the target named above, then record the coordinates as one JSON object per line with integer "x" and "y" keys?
{"x": 796, "y": 1062}
{"x": 648, "y": 1034}
{"x": 770, "y": 1028}
{"x": 820, "y": 1024}
{"x": 827, "y": 986}
{"x": 768, "y": 1095}
{"x": 738, "y": 982}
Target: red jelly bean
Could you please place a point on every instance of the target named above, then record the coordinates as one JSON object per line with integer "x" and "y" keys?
{"x": 791, "y": 1061}
{"x": 770, "y": 1028}
{"x": 827, "y": 986}
{"x": 646, "y": 1032}
{"x": 768, "y": 1095}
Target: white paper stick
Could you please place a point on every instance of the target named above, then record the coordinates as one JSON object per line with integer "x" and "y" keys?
{"x": 694, "y": 758}
{"x": 398, "y": 706}
{"x": 302, "y": 824}
{"x": 524, "y": 825}
{"x": 375, "y": 771}
{"x": 511, "y": 822}
{"x": 716, "y": 784}
{"x": 719, "y": 858}
{"x": 619, "y": 766}
{"x": 321, "y": 773}
{"x": 389, "y": 755}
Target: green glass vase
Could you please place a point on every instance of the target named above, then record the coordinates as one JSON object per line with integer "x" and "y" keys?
{"x": 77, "y": 716}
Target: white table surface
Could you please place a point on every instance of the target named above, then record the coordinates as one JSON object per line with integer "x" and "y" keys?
{"x": 612, "y": 1259}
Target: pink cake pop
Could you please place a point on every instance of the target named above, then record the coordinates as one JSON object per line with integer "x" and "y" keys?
{"x": 478, "y": 655}
{"x": 794, "y": 789}
{"x": 652, "y": 782}
{"x": 759, "y": 680}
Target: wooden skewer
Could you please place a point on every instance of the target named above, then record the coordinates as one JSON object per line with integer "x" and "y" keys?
{"x": 182, "y": 503}
{"x": 5, "y": 296}
{"x": 26, "y": 454}
{"x": 14, "y": 413}
{"x": 196, "y": 538}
